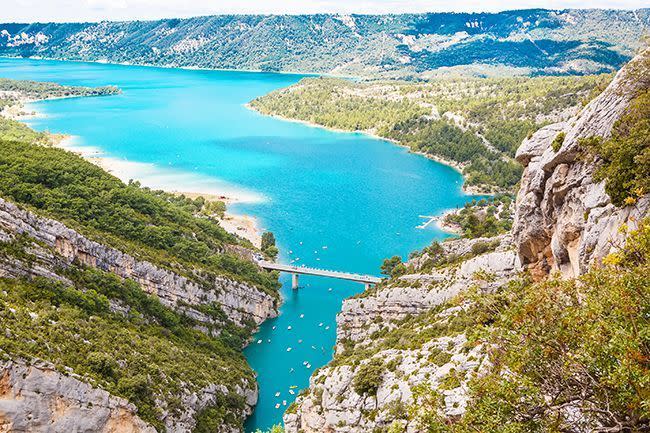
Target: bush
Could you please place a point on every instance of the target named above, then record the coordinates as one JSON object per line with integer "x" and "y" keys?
{"x": 369, "y": 377}
{"x": 625, "y": 157}
{"x": 558, "y": 141}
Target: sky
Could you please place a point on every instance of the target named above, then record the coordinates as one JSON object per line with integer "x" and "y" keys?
{"x": 97, "y": 10}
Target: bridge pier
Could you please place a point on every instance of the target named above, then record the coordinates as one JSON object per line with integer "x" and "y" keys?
{"x": 294, "y": 281}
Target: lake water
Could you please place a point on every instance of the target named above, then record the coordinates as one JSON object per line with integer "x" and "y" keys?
{"x": 342, "y": 201}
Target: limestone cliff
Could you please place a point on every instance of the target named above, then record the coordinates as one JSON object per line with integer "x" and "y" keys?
{"x": 240, "y": 301}
{"x": 37, "y": 398}
{"x": 564, "y": 219}
{"x": 396, "y": 338}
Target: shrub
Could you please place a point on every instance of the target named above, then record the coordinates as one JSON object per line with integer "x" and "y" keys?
{"x": 558, "y": 141}
{"x": 369, "y": 377}
{"x": 625, "y": 157}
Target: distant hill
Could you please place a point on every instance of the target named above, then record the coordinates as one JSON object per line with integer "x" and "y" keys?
{"x": 533, "y": 41}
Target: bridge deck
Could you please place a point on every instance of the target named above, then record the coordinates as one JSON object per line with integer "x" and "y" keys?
{"x": 321, "y": 272}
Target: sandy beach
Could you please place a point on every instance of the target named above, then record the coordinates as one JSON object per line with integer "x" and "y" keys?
{"x": 191, "y": 185}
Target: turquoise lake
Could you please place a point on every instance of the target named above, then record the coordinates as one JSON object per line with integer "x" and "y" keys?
{"x": 357, "y": 196}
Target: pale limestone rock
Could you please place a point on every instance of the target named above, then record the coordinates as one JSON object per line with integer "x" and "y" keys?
{"x": 564, "y": 219}
{"x": 40, "y": 399}
{"x": 240, "y": 301}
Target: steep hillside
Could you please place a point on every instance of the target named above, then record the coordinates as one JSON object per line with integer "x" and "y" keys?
{"x": 131, "y": 301}
{"x": 543, "y": 329}
{"x": 514, "y": 42}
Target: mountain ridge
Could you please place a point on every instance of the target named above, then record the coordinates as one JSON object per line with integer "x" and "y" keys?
{"x": 528, "y": 42}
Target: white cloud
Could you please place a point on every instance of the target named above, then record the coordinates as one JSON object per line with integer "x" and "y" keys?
{"x": 95, "y": 10}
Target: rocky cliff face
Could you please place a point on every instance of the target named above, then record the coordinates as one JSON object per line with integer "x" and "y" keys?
{"x": 240, "y": 302}
{"x": 37, "y": 398}
{"x": 564, "y": 219}
{"x": 409, "y": 304}
{"x": 40, "y": 398}
{"x": 565, "y": 222}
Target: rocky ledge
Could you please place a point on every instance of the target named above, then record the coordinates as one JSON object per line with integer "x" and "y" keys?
{"x": 408, "y": 304}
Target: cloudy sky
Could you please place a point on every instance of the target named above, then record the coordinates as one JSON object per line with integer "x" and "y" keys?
{"x": 95, "y": 10}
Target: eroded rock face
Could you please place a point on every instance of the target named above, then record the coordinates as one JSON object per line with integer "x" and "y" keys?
{"x": 240, "y": 301}
{"x": 40, "y": 399}
{"x": 564, "y": 219}
{"x": 420, "y": 292}
{"x": 332, "y": 404}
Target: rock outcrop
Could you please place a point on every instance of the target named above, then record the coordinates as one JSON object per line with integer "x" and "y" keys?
{"x": 241, "y": 302}
{"x": 564, "y": 219}
{"x": 420, "y": 292}
{"x": 332, "y": 404}
{"x": 37, "y": 398}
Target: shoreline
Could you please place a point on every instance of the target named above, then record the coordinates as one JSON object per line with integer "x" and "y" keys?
{"x": 189, "y": 68}
{"x": 458, "y": 167}
{"x": 242, "y": 225}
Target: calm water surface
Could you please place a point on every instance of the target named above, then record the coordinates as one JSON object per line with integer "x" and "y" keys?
{"x": 334, "y": 200}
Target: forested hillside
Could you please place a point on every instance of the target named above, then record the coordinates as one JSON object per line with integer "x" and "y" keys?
{"x": 136, "y": 292}
{"x": 533, "y": 41}
{"x": 476, "y": 124}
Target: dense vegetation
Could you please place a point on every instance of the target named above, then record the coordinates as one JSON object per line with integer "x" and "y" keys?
{"x": 43, "y": 90}
{"x": 566, "y": 354}
{"x": 153, "y": 225}
{"x": 625, "y": 157}
{"x": 145, "y": 354}
{"x": 483, "y": 218}
{"x": 406, "y": 45}
{"x": 474, "y": 123}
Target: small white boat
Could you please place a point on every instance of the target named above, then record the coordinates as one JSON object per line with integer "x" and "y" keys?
{"x": 284, "y": 402}
{"x": 327, "y": 327}
{"x": 291, "y": 391}
{"x": 288, "y": 349}
{"x": 277, "y": 394}
{"x": 259, "y": 341}
{"x": 277, "y": 406}
{"x": 320, "y": 324}
{"x": 289, "y": 327}
{"x": 302, "y": 316}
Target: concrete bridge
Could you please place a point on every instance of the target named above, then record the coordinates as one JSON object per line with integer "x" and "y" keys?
{"x": 368, "y": 280}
